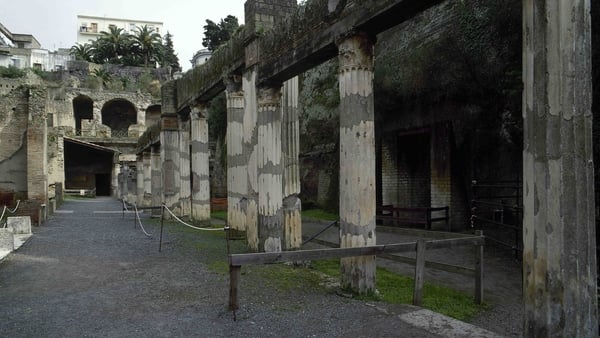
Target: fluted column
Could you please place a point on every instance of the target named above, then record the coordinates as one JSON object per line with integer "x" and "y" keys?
{"x": 169, "y": 149}
{"x": 357, "y": 159}
{"x": 185, "y": 192}
{"x": 292, "y": 206}
{"x": 250, "y": 150}
{"x": 559, "y": 254}
{"x": 270, "y": 170}
{"x": 156, "y": 177}
{"x": 236, "y": 163}
{"x": 139, "y": 179}
{"x": 200, "y": 164}
{"x": 147, "y": 169}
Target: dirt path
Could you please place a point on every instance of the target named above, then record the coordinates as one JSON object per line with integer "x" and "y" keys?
{"x": 88, "y": 273}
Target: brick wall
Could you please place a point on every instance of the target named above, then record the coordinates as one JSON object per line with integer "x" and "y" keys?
{"x": 405, "y": 174}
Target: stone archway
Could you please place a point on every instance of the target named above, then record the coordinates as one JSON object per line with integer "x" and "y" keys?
{"x": 119, "y": 114}
{"x": 83, "y": 109}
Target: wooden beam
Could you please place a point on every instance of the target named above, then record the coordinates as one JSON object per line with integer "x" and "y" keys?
{"x": 419, "y": 274}
{"x": 300, "y": 255}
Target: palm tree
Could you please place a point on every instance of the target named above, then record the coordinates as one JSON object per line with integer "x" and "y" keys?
{"x": 148, "y": 43}
{"x": 113, "y": 44}
{"x": 83, "y": 52}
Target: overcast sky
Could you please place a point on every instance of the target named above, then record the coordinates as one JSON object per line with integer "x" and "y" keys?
{"x": 54, "y": 22}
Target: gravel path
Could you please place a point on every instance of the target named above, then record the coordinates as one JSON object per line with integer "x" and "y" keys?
{"x": 88, "y": 273}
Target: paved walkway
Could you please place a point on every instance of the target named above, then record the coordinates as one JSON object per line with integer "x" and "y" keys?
{"x": 89, "y": 273}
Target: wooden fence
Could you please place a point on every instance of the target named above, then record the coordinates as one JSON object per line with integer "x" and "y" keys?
{"x": 237, "y": 260}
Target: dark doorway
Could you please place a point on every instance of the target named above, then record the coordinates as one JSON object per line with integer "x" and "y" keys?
{"x": 83, "y": 109}
{"x": 102, "y": 184}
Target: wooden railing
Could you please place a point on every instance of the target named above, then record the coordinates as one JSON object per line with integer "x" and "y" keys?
{"x": 414, "y": 216}
{"x": 237, "y": 260}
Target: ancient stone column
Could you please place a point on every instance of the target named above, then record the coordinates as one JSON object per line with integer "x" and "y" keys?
{"x": 169, "y": 149}
{"x": 147, "y": 169}
{"x": 270, "y": 170}
{"x": 123, "y": 178}
{"x": 140, "y": 179}
{"x": 115, "y": 187}
{"x": 250, "y": 149}
{"x": 357, "y": 160}
{"x": 559, "y": 254}
{"x": 236, "y": 163}
{"x": 292, "y": 206}
{"x": 185, "y": 193}
{"x": 37, "y": 147}
{"x": 200, "y": 164}
{"x": 156, "y": 178}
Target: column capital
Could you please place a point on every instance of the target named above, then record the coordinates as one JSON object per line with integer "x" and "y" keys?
{"x": 199, "y": 111}
{"x": 269, "y": 96}
{"x": 355, "y": 50}
{"x": 233, "y": 83}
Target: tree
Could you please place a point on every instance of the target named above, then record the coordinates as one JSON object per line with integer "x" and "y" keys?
{"x": 169, "y": 58}
{"x": 217, "y": 34}
{"x": 111, "y": 45}
{"x": 83, "y": 52}
{"x": 148, "y": 44}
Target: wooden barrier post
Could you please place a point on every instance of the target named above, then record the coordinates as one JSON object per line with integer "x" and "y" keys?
{"x": 419, "y": 274}
{"x": 479, "y": 270}
{"x": 162, "y": 222}
{"x": 234, "y": 287}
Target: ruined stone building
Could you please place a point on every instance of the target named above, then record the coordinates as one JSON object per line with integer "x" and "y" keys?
{"x": 68, "y": 135}
{"x": 401, "y": 141}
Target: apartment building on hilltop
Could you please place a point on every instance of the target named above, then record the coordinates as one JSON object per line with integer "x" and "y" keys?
{"x": 89, "y": 27}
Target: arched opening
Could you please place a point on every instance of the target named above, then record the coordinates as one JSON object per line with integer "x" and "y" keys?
{"x": 83, "y": 109}
{"x": 153, "y": 115}
{"x": 119, "y": 114}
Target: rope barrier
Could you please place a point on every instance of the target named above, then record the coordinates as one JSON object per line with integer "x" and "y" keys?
{"x": 5, "y": 209}
{"x": 189, "y": 225}
{"x": 137, "y": 216}
{"x": 15, "y": 209}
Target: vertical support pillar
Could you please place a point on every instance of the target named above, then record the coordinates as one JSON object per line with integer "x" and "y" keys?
{"x": 115, "y": 187}
{"x": 250, "y": 149}
{"x": 200, "y": 164}
{"x": 156, "y": 178}
{"x": 123, "y": 178}
{"x": 185, "y": 192}
{"x": 292, "y": 206}
{"x": 357, "y": 160}
{"x": 169, "y": 149}
{"x": 37, "y": 148}
{"x": 270, "y": 170}
{"x": 140, "y": 179}
{"x": 236, "y": 163}
{"x": 147, "y": 169}
{"x": 559, "y": 255}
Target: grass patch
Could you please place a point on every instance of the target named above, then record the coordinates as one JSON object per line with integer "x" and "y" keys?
{"x": 222, "y": 214}
{"x": 397, "y": 289}
{"x": 210, "y": 248}
{"x": 320, "y": 214}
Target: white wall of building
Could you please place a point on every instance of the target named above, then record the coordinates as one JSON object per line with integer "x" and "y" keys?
{"x": 89, "y": 27}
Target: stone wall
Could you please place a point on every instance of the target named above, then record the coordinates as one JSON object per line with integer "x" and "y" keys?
{"x": 13, "y": 142}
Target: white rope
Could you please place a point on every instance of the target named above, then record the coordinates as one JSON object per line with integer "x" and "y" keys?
{"x": 137, "y": 215}
{"x": 189, "y": 225}
{"x": 125, "y": 205}
{"x": 1, "y": 217}
{"x": 13, "y": 210}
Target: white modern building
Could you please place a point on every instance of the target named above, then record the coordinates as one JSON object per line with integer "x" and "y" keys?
{"x": 89, "y": 27}
{"x": 200, "y": 57}
{"x": 25, "y": 51}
